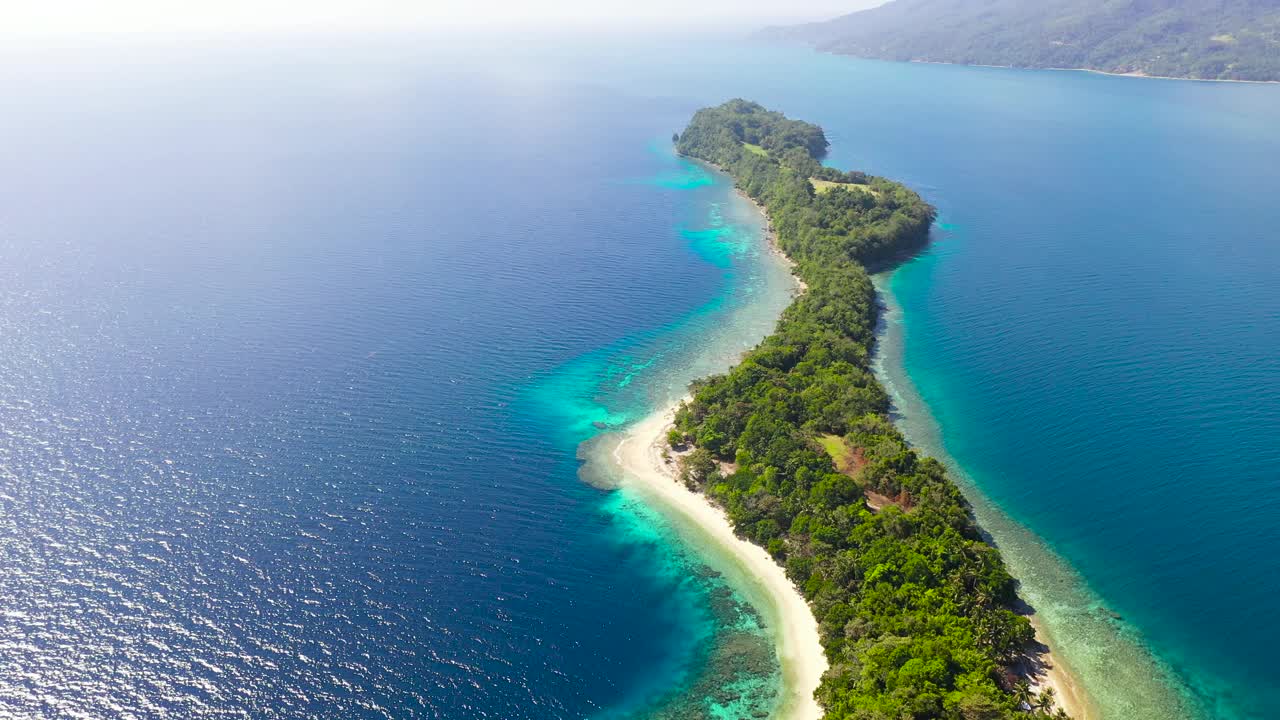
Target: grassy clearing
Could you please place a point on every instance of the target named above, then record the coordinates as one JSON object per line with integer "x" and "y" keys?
{"x": 822, "y": 186}
{"x": 838, "y": 449}
{"x": 848, "y": 462}
{"x": 756, "y": 149}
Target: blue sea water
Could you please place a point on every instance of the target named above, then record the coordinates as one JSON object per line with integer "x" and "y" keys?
{"x": 299, "y": 339}
{"x": 298, "y": 351}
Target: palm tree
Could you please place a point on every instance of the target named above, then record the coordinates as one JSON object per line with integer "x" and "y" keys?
{"x": 1022, "y": 694}
{"x": 1046, "y": 701}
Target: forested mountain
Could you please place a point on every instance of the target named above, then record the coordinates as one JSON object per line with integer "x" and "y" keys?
{"x": 1207, "y": 39}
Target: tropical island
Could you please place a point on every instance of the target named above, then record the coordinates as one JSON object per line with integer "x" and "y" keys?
{"x": 1196, "y": 39}
{"x": 915, "y": 611}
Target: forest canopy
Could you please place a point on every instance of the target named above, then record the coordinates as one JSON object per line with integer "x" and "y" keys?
{"x": 915, "y": 609}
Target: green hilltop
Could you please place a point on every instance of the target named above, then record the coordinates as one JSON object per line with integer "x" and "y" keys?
{"x": 1200, "y": 39}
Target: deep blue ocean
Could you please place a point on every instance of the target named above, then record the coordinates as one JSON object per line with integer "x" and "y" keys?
{"x": 299, "y": 338}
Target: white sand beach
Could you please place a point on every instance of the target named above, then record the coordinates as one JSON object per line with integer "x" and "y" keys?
{"x": 639, "y": 456}
{"x": 1066, "y": 689}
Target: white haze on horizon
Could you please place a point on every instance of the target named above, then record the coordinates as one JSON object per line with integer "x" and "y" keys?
{"x": 75, "y": 17}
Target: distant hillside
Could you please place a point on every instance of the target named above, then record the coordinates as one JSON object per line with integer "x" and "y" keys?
{"x": 1208, "y": 39}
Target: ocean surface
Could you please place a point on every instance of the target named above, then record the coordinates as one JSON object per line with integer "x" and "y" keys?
{"x": 300, "y": 339}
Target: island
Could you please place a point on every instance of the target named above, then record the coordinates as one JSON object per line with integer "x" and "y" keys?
{"x": 916, "y": 613}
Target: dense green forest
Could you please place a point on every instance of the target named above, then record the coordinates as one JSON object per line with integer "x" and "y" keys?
{"x": 915, "y": 610}
{"x": 1206, "y": 39}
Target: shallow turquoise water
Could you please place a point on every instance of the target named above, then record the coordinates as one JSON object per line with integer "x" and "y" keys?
{"x": 723, "y": 662}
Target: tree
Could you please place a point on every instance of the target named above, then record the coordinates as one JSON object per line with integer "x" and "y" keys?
{"x": 697, "y": 467}
{"x": 1023, "y": 695}
{"x": 975, "y": 706}
{"x": 1046, "y": 700}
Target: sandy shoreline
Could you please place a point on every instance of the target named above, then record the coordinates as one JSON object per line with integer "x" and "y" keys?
{"x": 1136, "y": 75}
{"x": 1070, "y": 695}
{"x": 771, "y": 238}
{"x": 639, "y": 455}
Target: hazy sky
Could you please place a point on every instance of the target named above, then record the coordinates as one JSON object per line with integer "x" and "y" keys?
{"x": 94, "y": 16}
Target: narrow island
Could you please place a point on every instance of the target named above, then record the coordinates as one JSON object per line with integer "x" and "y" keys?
{"x": 892, "y": 605}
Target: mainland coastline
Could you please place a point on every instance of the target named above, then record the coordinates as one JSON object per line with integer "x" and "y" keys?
{"x": 1136, "y": 74}
{"x": 653, "y": 468}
